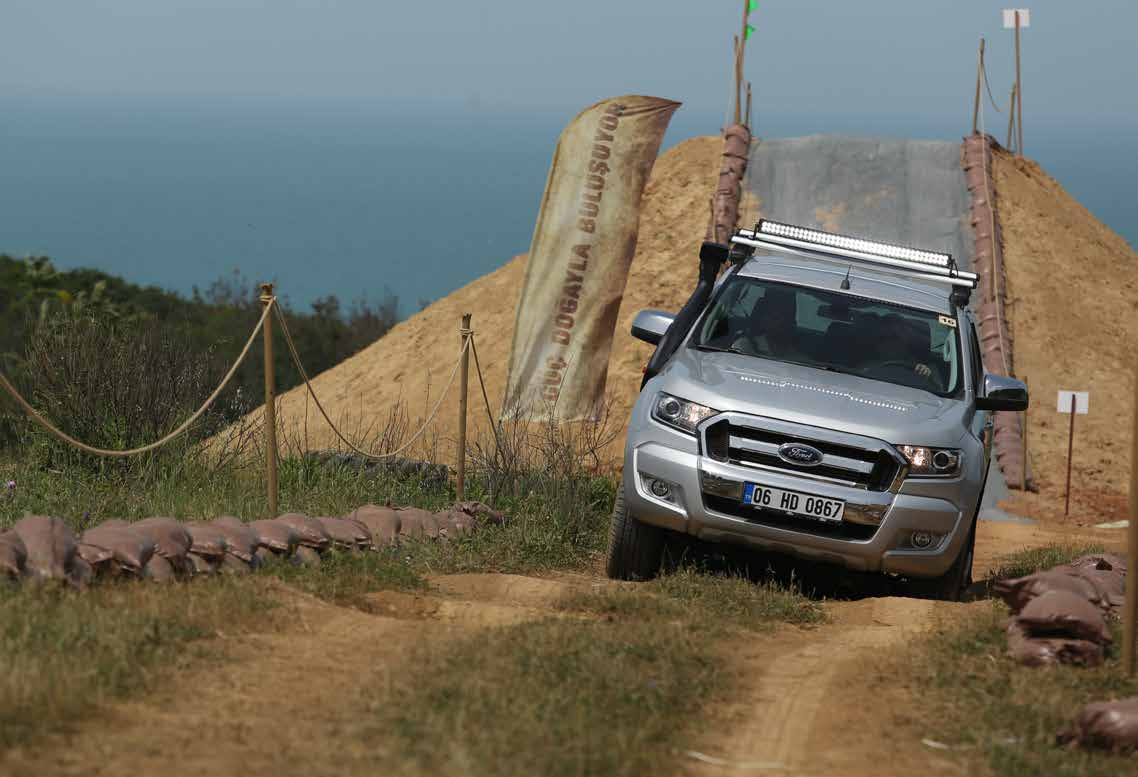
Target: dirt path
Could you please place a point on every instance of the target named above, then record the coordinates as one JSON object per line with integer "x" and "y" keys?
{"x": 805, "y": 701}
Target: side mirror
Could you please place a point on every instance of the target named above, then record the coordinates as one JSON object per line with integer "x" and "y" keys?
{"x": 1002, "y": 393}
{"x": 651, "y": 325}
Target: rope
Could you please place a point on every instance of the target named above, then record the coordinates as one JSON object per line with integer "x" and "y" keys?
{"x": 988, "y": 86}
{"x": 343, "y": 439}
{"x": 31, "y": 411}
{"x": 485, "y": 397}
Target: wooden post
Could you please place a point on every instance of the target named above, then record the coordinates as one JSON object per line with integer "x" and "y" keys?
{"x": 1019, "y": 93}
{"x": 1011, "y": 117}
{"x": 748, "y": 125}
{"x": 270, "y": 404}
{"x": 1129, "y": 620}
{"x": 463, "y": 378}
{"x": 1070, "y": 450}
{"x": 979, "y": 77}
{"x": 738, "y": 78}
{"x": 1023, "y": 439}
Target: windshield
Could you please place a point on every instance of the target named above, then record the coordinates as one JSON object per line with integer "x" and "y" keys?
{"x": 834, "y": 331}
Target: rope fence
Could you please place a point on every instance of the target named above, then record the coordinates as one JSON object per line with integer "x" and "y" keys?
{"x": 264, "y": 326}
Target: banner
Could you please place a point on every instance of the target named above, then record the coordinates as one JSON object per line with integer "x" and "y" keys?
{"x": 578, "y": 263}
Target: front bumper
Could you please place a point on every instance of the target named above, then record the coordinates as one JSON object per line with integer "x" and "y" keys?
{"x": 876, "y": 535}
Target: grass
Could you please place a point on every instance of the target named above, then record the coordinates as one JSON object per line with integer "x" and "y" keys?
{"x": 63, "y": 653}
{"x": 613, "y": 694}
{"x": 1025, "y": 562}
{"x": 975, "y": 698}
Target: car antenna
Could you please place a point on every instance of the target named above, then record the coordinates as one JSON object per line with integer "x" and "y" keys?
{"x": 846, "y": 280}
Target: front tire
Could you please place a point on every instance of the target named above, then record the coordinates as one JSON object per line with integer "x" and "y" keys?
{"x": 636, "y": 550}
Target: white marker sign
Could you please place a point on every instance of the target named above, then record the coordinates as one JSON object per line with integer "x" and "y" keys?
{"x": 1082, "y": 402}
{"x": 1010, "y": 18}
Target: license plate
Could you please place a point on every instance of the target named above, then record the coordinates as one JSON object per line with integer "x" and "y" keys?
{"x": 818, "y": 508}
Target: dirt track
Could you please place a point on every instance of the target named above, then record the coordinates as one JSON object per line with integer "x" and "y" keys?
{"x": 805, "y": 701}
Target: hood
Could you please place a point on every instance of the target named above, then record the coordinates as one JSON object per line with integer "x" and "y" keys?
{"x": 815, "y": 397}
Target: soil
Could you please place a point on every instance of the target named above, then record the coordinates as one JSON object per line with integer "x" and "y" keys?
{"x": 281, "y": 703}
{"x": 1073, "y": 298}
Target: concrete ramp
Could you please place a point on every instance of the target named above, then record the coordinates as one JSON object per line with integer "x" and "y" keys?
{"x": 911, "y": 192}
{"x": 904, "y": 191}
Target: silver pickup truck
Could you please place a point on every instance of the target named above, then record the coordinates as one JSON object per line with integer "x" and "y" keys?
{"x": 823, "y": 397}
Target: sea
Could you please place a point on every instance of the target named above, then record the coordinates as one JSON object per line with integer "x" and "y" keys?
{"x": 364, "y": 200}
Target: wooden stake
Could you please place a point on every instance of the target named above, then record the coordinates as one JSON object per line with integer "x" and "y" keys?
{"x": 1019, "y": 93}
{"x": 1129, "y": 616}
{"x": 270, "y": 405}
{"x": 751, "y": 129}
{"x": 979, "y": 77}
{"x": 1070, "y": 450}
{"x": 1023, "y": 436}
{"x": 738, "y": 78}
{"x": 1011, "y": 117}
{"x": 463, "y": 379}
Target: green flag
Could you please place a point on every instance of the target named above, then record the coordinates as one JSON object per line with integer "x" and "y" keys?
{"x": 753, "y": 6}
{"x": 750, "y": 31}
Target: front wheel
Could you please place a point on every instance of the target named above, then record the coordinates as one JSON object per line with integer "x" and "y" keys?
{"x": 950, "y": 586}
{"x": 636, "y": 550}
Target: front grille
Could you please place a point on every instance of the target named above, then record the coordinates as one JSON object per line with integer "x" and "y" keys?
{"x": 736, "y": 509}
{"x": 755, "y": 442}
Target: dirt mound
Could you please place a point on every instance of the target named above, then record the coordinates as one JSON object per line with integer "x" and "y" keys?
{"x": 1073, "y": 291}
{"x": 412, "y": 363}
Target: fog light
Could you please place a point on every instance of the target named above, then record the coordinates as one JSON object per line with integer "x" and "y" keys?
{"x": 660, "y": 489}
{"x": 923, "y": 539}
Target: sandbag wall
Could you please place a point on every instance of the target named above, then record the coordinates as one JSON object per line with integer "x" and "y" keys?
{"x": 729, "y": 188}
{"x": 43, "y": 548}
{"x": 991, "y": 297}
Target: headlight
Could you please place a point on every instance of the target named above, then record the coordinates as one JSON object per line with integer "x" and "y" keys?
{"x": 931, "y": 462}
{"x": 680, "y": 413}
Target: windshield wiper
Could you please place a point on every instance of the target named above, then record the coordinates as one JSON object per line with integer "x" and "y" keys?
{"x": 720, "y": 349}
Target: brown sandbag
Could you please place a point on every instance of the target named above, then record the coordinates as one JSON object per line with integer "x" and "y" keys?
{"x": 203, "y": 565}
{"x": 265, "y": 555}
{"x": 1064, "y": 614}
{"x": 274, "y": 535}
{"x": 305, "y": 556}
{"x": 1100, "y": 561}
{"x": 130, "y": 549}
{"x": 240, "y": 540}
{"x": 1108, "y": 575}
{"x": 414, "y": 522}
{"x": 50, "y": 547}
{"x": 1046, "y": 651}
{"x": 382, "y": 522}
{"x": 233, "y": 565}
{"x": 1017, "y": 592}
{"x": 309, "y": 531}
{"x": 98, "y": 558}
{"x": 483, "y": 513}
{"x": 13, "y": 555}
{"x": 82, "y": 574}
{"x": 454, "y": 523}
{"x": 346, "y": 533}
{"x": 207, "y": 540}
{"x": 1108, "y": 725}
{"x": 160, "y": 569}
{"x": 171, "y": 540}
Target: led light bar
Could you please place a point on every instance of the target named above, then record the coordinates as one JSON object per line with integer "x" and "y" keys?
{"x": 912, "y": 262}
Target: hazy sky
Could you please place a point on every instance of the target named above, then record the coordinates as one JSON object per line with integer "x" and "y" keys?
{"x": 838, "y": 56}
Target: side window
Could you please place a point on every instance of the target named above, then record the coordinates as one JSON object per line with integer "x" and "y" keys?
{"x": 977, "y": 360}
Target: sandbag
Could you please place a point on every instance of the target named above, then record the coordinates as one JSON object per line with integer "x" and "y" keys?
{"x": 1109, "y": 725}
{"x": 454, "y": 523}
{"x": 1101, "y": 562}
{"x": 171, "y": 540}
{"x": 306, "y": 557}
{"x": 50, "y": 547}
{"x": 414, "y": 522}
{"x": 82, "y": 573}
{"x": 1017, "y": 592}
{"x": 275, "y": 536}
{"x": 160, "y": 569}
{"x": 233, "y": 565}
{"x": 346, "y": 533}
{"x": 13, "y": 555}
{"x": 240, "y": 540}
{"x": 1064, "y": 614}
{"x": 309, "y": 531}
{"x": 98, "y": 558}
{"x": 1045, "y": 651}
{"x": 130, "y": 549}
{"x": 203, "y": 565}
{"x": 483, "y": 513}
{"x": 265, "y": 555}
{"x": 207, "y": 540}
{"x": 382, "y": 522}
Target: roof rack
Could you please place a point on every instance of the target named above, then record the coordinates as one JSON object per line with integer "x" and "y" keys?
{"x": 832, "y": 247}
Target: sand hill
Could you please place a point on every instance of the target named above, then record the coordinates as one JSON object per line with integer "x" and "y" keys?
{"x": 412, "y": 362}
{"x": 1073, "y": 291}
{"x": 1073, "y": 286}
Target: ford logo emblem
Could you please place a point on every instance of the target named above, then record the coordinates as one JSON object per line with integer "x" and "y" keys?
{"x": 799, "y": 454}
